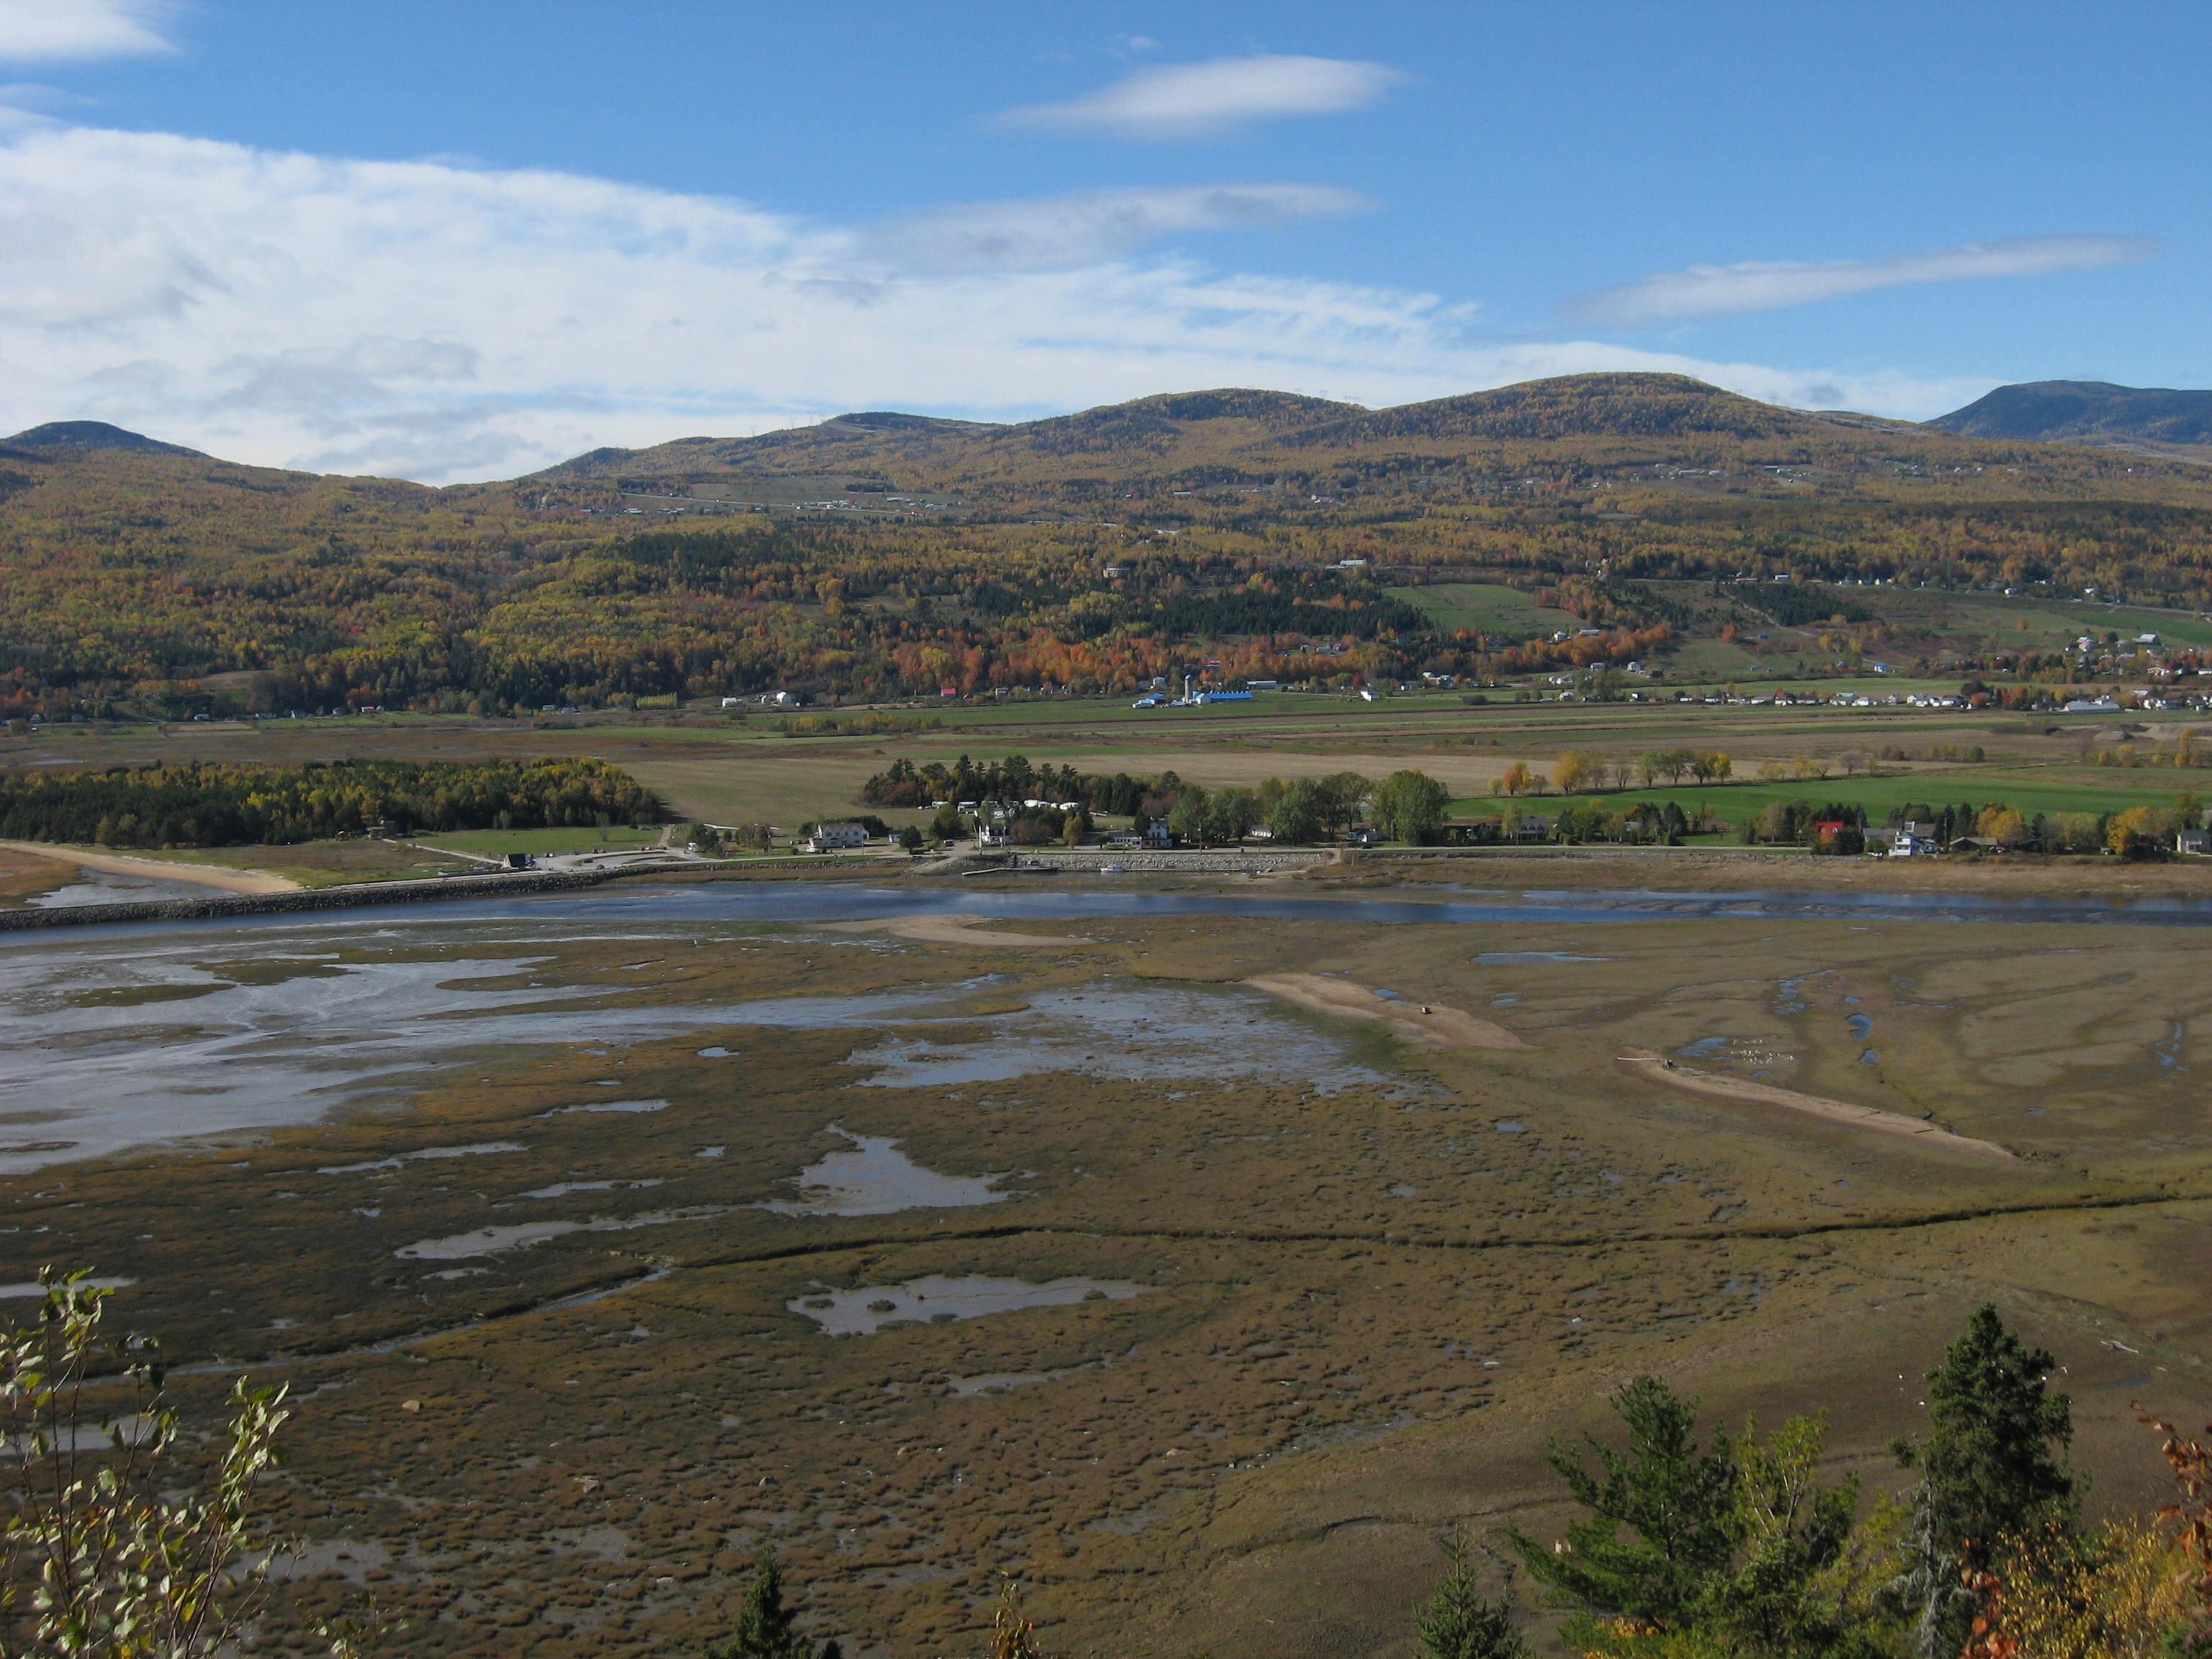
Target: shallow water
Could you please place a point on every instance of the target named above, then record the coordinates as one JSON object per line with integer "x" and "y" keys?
{"x": 31, "y": 1288}
{"x": 999, "y": 1382}
{"x": 522, "y": 1236}
{"x": 121, "y": 1036}
{"x": 864, "y": 1312}
{"x": 875, "y": 1178}
{"x": 106, "y": 887}
{"x": 1128, "y": 1031}
{"x": 562, "y": 1189}
{"x": 107, "y": 1046}
{"x": 702, "y": 903}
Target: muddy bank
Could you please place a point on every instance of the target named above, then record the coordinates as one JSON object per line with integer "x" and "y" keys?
{"x": 1723, "y": 868}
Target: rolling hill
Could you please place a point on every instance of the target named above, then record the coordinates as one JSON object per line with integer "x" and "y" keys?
{"x": 1088, "y": 550}
{"x": 1662, "y": 417}
{"x": 2087, "y": 412}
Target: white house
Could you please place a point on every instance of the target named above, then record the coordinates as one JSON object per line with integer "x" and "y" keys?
{"x": 830, "y": 837}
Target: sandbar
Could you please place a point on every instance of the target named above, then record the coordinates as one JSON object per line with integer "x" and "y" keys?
{"x": 1430, "y": 1023}
{"x": 953, "y": 929}
{"x": 1749, "y": 1090}
{"x": 227, "y": 879}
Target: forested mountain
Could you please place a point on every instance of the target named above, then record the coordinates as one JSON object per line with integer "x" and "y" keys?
{"x": 2087, "y": 410}
{"x": 76, "y": 437}
{"x": 901, "y": 555}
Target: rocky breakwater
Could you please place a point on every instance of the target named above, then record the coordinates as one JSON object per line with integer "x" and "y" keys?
{"x": 1240, "y": 862}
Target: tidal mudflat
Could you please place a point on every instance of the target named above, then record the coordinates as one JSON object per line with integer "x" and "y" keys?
{"x": 1246, "y": 1297}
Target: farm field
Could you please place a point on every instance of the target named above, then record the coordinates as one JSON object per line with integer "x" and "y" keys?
{"x": 1486, "y": 607}
{"x": 2090, "y": 790}
{"x": 1075, "y": 1255}
{"x": 494, "y": 843}
{"x": 732, "y": 772}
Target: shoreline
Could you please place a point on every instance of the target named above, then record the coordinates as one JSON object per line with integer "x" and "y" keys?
{"x": 1437, "y": 871}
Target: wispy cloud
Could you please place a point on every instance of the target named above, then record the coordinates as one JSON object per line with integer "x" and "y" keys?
{"x": 444, "y": 322}
{"x": 1670, "y": 296}
{"x": 51, "y": 31}
{"x": 1066, "y": 232}
{"x": 1189, "y": 101}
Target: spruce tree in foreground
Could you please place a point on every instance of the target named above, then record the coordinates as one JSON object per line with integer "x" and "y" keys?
{"x": 1673, "y": 1498}
{"x": 1460, "y": 1622}
{"x": 1737, "y": 1549}
{"x": 767, "y": 1626}
{"x": 1992, "y": 1464}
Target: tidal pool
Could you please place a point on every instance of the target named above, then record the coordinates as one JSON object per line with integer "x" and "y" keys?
{"x": 482, "y": 1149}
{"x": 109, "y": 887}
{"x": 864, "y": 1312}
{"x": 875, "y": 1178}
{"x": 522, "y": 1235}
{"x": 1493, "y": 958}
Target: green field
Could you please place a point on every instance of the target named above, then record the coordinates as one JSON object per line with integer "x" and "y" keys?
{"x": 492, "y": 843}
{"x": 1733, "y": 803}
{"x": 1488, "y": 607}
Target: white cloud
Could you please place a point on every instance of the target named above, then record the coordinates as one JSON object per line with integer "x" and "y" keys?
{"x": 1726, "y": 290}
{"x": 1065, "y": 233}
{"x": 1186, "y": 100}
{"x": 443, "y": 322}
{"x": 44, "y": 31}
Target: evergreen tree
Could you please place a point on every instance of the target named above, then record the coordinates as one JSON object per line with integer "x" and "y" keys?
{"x": 1675, "y": 1500}
{"x": 766, "y": 1626}
{"x": 1993, "y": 1462}
{"x": 1460, "y": 1622}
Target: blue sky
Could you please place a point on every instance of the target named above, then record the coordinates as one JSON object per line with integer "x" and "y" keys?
{"x": 461, "y": 241}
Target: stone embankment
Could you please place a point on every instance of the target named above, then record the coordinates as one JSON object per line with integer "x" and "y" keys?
{"x": 1190, "y": 863}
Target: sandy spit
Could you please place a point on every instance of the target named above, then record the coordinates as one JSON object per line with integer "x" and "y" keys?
{"x": 1430, "y": 1023}
{"x": 1752, "y": 1092}
{"x": 197, "y": 875}
{"x": 945, "y": 929}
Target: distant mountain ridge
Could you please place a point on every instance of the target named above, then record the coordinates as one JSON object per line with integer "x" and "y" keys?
{"x": 2090, "y": 411}
{"x": 1225, "y": 427}
{"x": 79, "y": 436}
{"x": 886, "y": 554}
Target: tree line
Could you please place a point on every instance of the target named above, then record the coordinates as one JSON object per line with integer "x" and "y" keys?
{"x": 205, "y": 804}
{"x": 1408, "y": 805}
